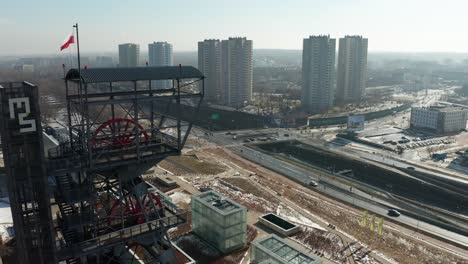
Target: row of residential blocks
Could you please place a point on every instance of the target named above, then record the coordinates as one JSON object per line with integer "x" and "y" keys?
{"x": 228, "y": 67}
{"x": 322, "y": 86}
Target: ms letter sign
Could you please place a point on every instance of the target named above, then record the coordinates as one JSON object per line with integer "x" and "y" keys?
{"x": 17, "y": 103}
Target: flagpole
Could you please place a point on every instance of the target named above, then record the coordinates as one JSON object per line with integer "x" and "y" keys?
{"x": 78, "y": 48}
{"x": 81, "y": 139}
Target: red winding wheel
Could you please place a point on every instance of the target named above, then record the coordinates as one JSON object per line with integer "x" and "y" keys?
{"x": 131, "y": 207}
{"x": 118, "y": 132}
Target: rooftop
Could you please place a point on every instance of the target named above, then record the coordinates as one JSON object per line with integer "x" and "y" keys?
{"x": 15, "y": 85}
{"x": 452, "y": 108}
{"x": 443, "y": 108}
{"x": 129, "y": 74}
{"x": 286, "y": 225}
{"x": 279, "y": 249}
{"x": 219, "y": 202}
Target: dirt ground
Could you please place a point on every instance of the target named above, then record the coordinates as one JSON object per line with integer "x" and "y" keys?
{"x": 323, "y": 241}
{"x": 402, "y": 247}
{"x": 248, "y": 187}
{"x": 191, "y": 164}
{"x": 395, "y": 245}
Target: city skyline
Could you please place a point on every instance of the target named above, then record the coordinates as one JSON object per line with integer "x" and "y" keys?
{"x": 392, "y": 26}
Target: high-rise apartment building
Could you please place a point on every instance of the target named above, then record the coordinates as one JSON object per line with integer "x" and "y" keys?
{"x": 236, "y": 71}
{"x": 129, "y": 55}
{"x": 209, "y": 63}
{"x": 352, "y": 69}
{"x": 160, "y": 54}
{"x": 318, "y": 73}
{"x": 104, "y": 61}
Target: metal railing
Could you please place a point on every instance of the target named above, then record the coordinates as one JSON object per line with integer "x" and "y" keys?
{"x": 65, "y": 157}
{"x": 122, "y": 235}
{"x": 168, "y": 204}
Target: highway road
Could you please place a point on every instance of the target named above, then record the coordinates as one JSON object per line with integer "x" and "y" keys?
{"x": 301, "y": 175}
{"x": 304, "y": 176}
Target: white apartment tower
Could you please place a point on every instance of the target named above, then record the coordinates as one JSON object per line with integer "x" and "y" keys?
{"x": 318, "y": 73}
{"x": 352, "y": 69}
{"x": 236, "y": 71}
{"x": 129, "y": 55}
{"x": 160, "y": 54}
{"x": 209, "y": 63}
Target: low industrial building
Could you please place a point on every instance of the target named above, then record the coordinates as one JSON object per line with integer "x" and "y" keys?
{"x": 274, "y": 250}
{"x": 279, "y": 224}
{"x": 219, "y": 221}
{"x": 439, "y": 119}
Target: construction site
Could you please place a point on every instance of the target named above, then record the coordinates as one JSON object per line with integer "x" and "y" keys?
{"x": 129, "y": 178}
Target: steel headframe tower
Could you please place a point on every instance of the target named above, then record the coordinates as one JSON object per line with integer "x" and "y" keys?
{"x": 28, "y": 190}
{"x": 119, "y": 127}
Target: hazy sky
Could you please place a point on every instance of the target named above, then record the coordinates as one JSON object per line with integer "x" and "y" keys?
{"x": 39, "y": 26}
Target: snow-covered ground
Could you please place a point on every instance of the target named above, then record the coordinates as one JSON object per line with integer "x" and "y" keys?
{"x": 180, "y": 197}
{"x": 6, "y": 220}
{"x": 296, "y": 217}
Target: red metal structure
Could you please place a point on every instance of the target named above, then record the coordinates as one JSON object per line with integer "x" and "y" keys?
{"x": 118, "y": 132}
{"x": 131, "y": 207}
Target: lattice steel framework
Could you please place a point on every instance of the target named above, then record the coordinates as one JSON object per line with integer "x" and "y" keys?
{"x": 26, "y": 175}
{"x": 119, "y": 127}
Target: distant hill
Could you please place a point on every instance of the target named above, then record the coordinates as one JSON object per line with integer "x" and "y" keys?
{"x": 276, "y": 57}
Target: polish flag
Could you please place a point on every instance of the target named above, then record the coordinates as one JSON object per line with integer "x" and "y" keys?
{"x": 69, "y": 40}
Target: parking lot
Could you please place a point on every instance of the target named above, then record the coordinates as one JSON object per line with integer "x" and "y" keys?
{"x": 439, "y": 150}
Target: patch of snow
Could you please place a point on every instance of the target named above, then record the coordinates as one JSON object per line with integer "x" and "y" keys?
{"x": 183, "y": 179}
{"x": 246, "y": 257}
{"x": 296, "y": 217}
{"x": 6, "y": 220}
{"x": 180, "y": 197}
{"x": 5, "y": 213}
{"x": 250, "y": 200}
